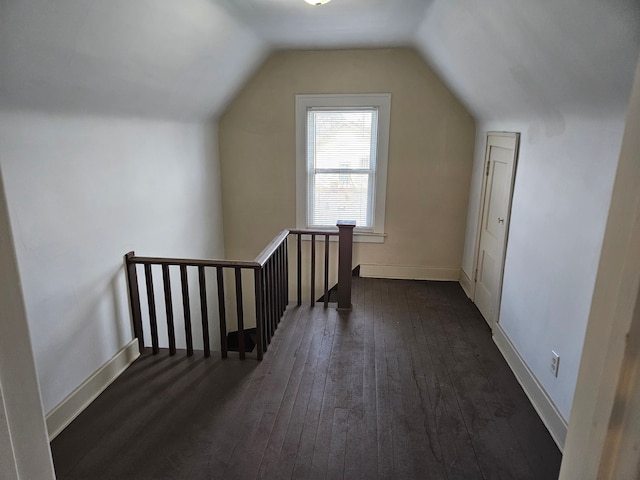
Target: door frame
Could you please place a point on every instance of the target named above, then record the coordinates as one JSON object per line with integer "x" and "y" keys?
{"x": 483, "y": 192}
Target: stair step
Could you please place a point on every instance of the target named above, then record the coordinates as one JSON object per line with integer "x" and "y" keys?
{"x": 250, "y": 340}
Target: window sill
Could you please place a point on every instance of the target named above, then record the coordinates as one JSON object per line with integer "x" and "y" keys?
{"x": 358, "y": 237}
{"x": 368, "y": 237}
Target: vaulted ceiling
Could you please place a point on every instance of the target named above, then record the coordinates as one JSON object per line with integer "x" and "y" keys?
{"x": 185, "y": 60}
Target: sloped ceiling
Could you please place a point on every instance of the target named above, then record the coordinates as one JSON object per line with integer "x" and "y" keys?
{"x": 509, "y": 58}
{"x": 338, "y": 24}
{"x": 185, "y": 60}
{"x": 181, "y": 60}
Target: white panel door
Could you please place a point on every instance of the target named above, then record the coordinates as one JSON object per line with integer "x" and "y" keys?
{"x": 500, "y": 161}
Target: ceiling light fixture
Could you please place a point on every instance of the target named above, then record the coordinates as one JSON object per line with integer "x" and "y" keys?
{"x": 317, "y": 2}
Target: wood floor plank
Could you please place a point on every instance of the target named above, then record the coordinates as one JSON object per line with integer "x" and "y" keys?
{"x": 338, "y": 443}
{"x": 408, "y": 385}
{"x": 333, "y": 397}
{"x": 306, "y": 449}
{"x": 402, "y": 465}
{"x": 297, "y": 385}
{"x": 492, "y": 434}
{"x": 426, "y": 382}
{"x": 355, "y": 450}
{"x": 384, "y": 411}
{"x": 313, "y": 376}
{"x": 507, "y": 402}
{"x": 487, "y": 436}
{"x": 368, "y": 441}
{"x": 263, "y": 407}
{"x": 458, "y": 453}
{"x": 424, "y": 456}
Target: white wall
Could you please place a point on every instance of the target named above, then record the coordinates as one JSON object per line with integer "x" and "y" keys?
{"x": 509, "y": 58}
{"x": 82, "y": 191}
{"x": 180, "y": 60}
{"x": 562, "y": 192}
{"x": 604, "y": 429}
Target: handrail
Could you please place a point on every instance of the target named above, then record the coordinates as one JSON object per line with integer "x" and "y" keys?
{"x": 191, "y": 262}
{"x": 266, "y": 253}
{"x": 258, "y": 262}
{"x": 298, "y": 231}
{"x": 271, "y": 281}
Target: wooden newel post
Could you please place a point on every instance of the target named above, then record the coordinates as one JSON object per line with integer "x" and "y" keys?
{"x": 257, "y": 279}
{"x": 134, "y": 299}
{"x": 345, "y": 255}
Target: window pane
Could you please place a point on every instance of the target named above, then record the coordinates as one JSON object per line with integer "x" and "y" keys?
{"x": 342, "y": 138}
{"x": 340, "y": 197}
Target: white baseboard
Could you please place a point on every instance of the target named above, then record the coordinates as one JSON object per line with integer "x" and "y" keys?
{"x": 550, "y": 415}
{"x": 466, "y": 283}
{"x": 69, "y": 408}
{"x": 409, "y": 272}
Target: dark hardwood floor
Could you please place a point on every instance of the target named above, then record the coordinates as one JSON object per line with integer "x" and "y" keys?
{"x": 409, "y": 385}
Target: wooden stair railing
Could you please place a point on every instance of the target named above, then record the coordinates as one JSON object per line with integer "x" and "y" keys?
{"x": 271, "y": 289}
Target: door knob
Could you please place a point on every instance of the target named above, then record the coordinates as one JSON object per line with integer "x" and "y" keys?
{"x": 500, "y": 220}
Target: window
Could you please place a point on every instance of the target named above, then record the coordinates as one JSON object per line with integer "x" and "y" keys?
{"x": 342, "y": 145}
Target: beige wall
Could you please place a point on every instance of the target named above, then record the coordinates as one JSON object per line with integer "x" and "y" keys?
{"x": 430, "y": 153}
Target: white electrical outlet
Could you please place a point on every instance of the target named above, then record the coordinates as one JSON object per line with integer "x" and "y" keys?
{"x": 555, "y": 363}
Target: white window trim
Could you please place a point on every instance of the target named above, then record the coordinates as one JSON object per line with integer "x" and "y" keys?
{"x": 382, "y": 101}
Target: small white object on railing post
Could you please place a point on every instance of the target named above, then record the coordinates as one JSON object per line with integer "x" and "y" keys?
{"x": 345, "y": 256}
